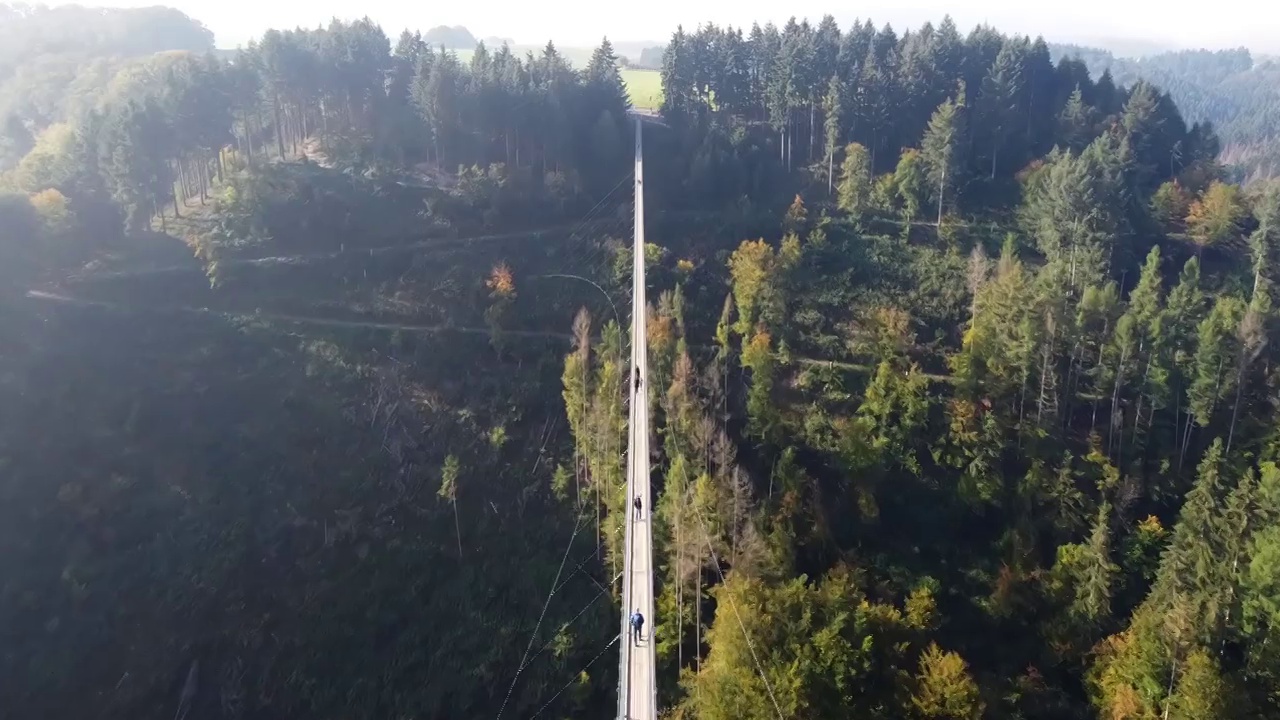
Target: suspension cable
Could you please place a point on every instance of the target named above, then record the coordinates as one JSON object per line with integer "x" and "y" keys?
{"x": 547, "y": 603}
{"x": 697, "y": 513}
{"x": 575, "y": 676}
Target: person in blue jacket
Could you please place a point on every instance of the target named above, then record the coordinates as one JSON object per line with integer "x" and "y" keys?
{"x": 637, "y": 627}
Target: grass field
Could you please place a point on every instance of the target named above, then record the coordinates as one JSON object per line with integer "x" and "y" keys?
{"x": 644, "y": 87}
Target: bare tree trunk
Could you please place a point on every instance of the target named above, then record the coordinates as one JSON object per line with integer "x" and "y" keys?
{"x": 1235, "y": 409}
{"x": 1173, "y": 674}
{"x": 1186, "y": 440}
{"x": 1115, "y": 403}
{"x": 831, "y": 162}
{"x": 174, "y": 187}
{"x": 679, "y": 587}
{"x": 275, "y": 105}
{"x": 203, "y": 168}
{"x": 248, "y": 139}
{"x": 812, "y": 136}
{"x": 596, "y": 482}
{"x": 941, "y": 189}
{"x": 697, "y": 603}
{"x": 1142, "y": 397}
{"x": 457, "y": 526}
{"x": 1046, "y": 357}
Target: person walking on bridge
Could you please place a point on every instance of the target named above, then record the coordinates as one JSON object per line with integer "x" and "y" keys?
{"x": 637, "y": 380}
{"x": 637, "y": 627}
{"x": 639, "y": 508}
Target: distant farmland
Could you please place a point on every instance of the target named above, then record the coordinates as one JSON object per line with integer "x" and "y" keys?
{"x": 644, "y": 86}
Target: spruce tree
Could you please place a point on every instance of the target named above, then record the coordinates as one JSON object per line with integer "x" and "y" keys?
{"x": 604, "y": 79}
{"x": 1075, "y": 123}
{"x": 999, "y": 102}
{"x": 1093, "y": 589}
{"x": 911, "y": 182}
{"x": 940, "y": 154}
{"x": 855, "y": 181}
{"x": 833, "y": 111}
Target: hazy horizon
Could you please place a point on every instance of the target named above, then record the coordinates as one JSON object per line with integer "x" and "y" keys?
{"x": 1178, "y": 24}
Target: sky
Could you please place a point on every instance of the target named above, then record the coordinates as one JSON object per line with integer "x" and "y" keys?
{"x": 1170, "y": 23}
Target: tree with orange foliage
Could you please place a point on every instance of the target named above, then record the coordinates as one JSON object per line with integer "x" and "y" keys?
{"x": 944, "y": 687}
{"x": 752, "y": 267}
{"x": 502, "y": 287}
{"x": 796, "y": 217}
{"x": 502, "y": 282}
{"x": 1214, "y": 218}
{"x": 757, "y": 356}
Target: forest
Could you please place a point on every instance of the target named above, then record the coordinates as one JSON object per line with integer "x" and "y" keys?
{"x": 1237, "y": 92}
{"x": 315, "y": 395}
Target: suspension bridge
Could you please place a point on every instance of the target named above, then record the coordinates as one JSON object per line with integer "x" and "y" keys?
{"x": 637, "y": 689}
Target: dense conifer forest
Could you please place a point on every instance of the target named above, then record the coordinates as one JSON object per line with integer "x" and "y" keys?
{"x": 1236, "y": 91}
{"x": 312, "y": 361}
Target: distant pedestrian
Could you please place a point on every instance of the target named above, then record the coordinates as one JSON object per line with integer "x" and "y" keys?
{"x": 637, "y": 379}
{"x": 639, "y": 507}
{"x": 637, "y": 627}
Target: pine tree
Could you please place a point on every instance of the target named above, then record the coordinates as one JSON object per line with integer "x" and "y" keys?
{"x": 604, "y": 80}
{"x": 134, "y": 148}
{"x": 911, "y": 182}
{"x": 1075, "y": 123}
{"x": 752, "y": 267}
{"x": 1097, "y": 573}
{"x": 1201, "y": 692}
{"x": 1074, "y": 207}
{"x": 1212, "y": 372}
{"x": 1169, "y": 204}
{"x": 757, "y": 356}
{"x": 1191, "y": 567}
{"x": 871, "y": 105}
{"x": 944, "y": 688}
{"x": 1152, "y": 357}
{"x": 833, "y": 110}
{"x": 1264, "y": 242}
{"x": 796, "y": 218}
{"x": 1000, "y": 101}
{"x": 855, "y": 181}
{"x": 733, "y": 86}
{"x": 449, "y": 491}
{"x": 1260, "y": 582}
{"x": 939, "y": 151}
{"x": 437, "y": 91}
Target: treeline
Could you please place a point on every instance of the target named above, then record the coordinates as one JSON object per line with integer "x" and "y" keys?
{"x": 990, "y": 103}
{"x": 177, "y": 123}
{"x": 1230, "y": 88}
{"x": 56, "y": 63}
